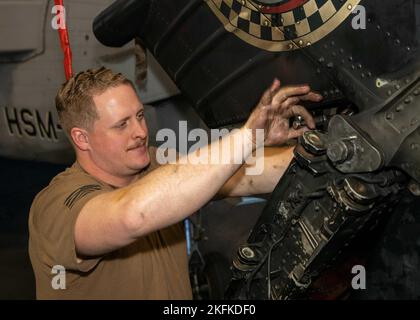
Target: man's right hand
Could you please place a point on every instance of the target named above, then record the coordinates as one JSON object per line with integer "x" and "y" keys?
{"x": 276, "y": 107}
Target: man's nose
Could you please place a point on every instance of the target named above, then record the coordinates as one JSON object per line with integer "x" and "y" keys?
{"x": 140, "y": 130}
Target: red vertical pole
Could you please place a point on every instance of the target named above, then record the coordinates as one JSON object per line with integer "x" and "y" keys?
{"x": 65, "y": 45}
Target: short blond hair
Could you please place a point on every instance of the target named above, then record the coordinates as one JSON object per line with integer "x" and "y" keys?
{"x": 74, "y": 100}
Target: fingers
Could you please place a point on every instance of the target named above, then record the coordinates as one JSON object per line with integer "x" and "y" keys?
{"x": 287, "y": 92}
{"x": 290, "y": 102}
{"x": 311, "y": 96}
{"x": 275, "y": 85}
{"x": 301, "y": 111}
{"x": 293, "y": 133}
{"x": 270, "y": 93}
{"x": 266, "y": 97}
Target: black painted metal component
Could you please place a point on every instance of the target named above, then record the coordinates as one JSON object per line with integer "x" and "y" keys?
{"x": 313, "y": 214}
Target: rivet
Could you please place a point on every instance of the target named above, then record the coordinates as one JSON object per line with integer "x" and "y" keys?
{"x": 397, "y": 86}
{"x": 350, "y": 7}
{"x": 416, "y": 92}
{"x": 389, "y": 92}
{"x": 400, "y": 108}
{"x": 300, "y": 42}
{"x": 389, "y": 116}
{"x": 408, "y": 100}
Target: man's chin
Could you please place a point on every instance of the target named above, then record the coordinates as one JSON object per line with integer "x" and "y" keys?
{"x": 141, "y": 161}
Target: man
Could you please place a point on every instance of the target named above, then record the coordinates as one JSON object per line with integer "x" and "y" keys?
{"x": 113, "y": 231}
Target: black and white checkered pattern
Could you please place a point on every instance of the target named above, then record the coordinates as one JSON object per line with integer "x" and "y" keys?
{"x": 282, "y": 26}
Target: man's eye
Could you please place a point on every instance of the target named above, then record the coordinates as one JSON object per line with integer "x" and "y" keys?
{"x": 140, "y": 116}
{"x": 122, "y": 124}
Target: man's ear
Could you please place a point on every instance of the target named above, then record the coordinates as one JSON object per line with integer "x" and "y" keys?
{"x": 80, "y": 138}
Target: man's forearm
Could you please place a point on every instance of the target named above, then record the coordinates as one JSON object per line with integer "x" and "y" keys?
{"x": 173, "y": 192}
{"x": 275, "y": 162}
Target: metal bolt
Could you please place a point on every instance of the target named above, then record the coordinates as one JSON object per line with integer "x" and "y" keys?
{"x": 338, "y": 152}
{"x": 313, "y": 139}
{"x": 359, "y": 187}
{"x": 408, "y": 100}
{"x": 400, "y": 108}
{"x": 414, "y": 188}
{"x": 247, "y": 252}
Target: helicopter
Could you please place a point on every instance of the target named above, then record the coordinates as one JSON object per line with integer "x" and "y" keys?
{"x": 357, "y": 170}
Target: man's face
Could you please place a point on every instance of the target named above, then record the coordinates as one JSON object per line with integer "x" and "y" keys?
{"x": 119, "y": 137}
